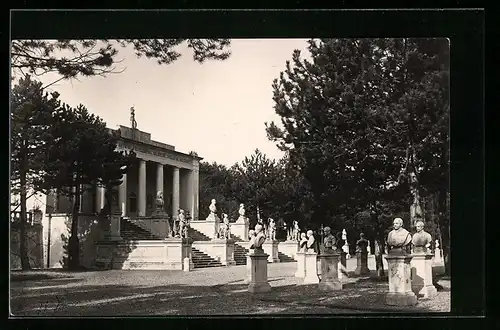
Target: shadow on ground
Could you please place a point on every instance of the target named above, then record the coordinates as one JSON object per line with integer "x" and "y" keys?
{"x": 75, "y": 297}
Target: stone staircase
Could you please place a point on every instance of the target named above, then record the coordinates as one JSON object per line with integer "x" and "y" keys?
{"x": 285, "y": 257}
{"x": 132, "y": 232}
{"x": 240, "y": 254}
{"x": 197, "y": 235}
{"x": 203, "y": 260}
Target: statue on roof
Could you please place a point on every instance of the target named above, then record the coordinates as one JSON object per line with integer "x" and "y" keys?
{"x": 133, "y": 122}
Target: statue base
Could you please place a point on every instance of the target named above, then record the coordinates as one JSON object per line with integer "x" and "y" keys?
{"x": 399, "y": 272}
{"x": 421, "y": 276}
{"x": 311, "y": 268}
{"x": 271, "y": 248}
{"x": 362, "y": 265}
{"x": 329, "y": 272}
{"x": 258, "y": 273}
{"x": 301, "y": 265}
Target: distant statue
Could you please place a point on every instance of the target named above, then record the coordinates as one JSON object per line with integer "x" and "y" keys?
{"x": 329, "y": 240}
{"x": 225, "y": 230}
{"x": 213, "y": 207}
{"x": 182, "y": 223}
{"x": 399, "y": 239}
{"x": 362, "y": 244}
{"x": 421, "y": 240}
{"x": 415, "y": 208}
{"x": 133, "y": 122}
{"x": 159, "y": 201}
{"x": 258, "y": 240}
{"x": 242, "y": 218}
{"x": 310, "y": 241}
{"x": 296, "y": 231}
{"x": 272, "y": 229}
{"x": 303, "y": 242}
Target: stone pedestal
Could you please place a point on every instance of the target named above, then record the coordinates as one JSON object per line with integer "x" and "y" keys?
{"x": 362, "y": 266}
{"x": 329, "y": 272}
{"x": 311, "y": 268}
{"x": 188, "y": 264}
{"x": 240, "y": 229}
{"x": 301, "y": 265}
{"x": 421, "y": 275}
{"x": 258, "y": 272}
{"x": 399, "y": 272}
{"x": 249, "y": 268}
{"x": 438, "y": 262}
{"x": 271, "y": 248}
{"x": 114, "y": 226}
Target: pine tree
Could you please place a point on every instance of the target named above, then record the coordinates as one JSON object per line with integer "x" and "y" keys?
{"x": 72, "y": 58}
{"x": 31, "y": 117}
{"x": 82, "y": 154}
{"x": 361, "y": 118}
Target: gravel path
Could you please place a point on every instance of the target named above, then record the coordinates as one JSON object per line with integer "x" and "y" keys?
{"x": 212, "y": 291}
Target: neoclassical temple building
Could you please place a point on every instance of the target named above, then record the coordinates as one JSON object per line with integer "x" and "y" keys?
{"x": 158, "y": 168}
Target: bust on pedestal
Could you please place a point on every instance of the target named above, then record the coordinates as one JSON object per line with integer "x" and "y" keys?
{"x": 301, "y": 257}
{"x": 329, "y": 263}
{"x": 362, "y": 256}
{"x": 398, "y": 260}
{"x": 258, "y": 264}
{"x": 213, "y": 217}
{"x": 421, "y": 264}
{"x": 241, "y": 226}
{"x": 311, "y": 261}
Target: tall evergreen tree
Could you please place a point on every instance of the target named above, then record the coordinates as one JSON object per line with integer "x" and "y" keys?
{"x": 82, "y": 154}
{"x": 31, "y": 119}
{"x": 361, "y": 118}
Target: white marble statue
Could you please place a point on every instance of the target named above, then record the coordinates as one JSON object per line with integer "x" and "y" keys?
{"x": 303, "y": 242}
{"x": 182, "y": 223}
{"x": 225, "y": 231}
{"x": 296, "y": 231}
{"x": 310, "y": 241}
{"x": 258, "y": 240}
{"x": 272, "y": 229}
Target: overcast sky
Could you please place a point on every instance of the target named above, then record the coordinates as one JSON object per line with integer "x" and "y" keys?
{"x": 217, "y": 109}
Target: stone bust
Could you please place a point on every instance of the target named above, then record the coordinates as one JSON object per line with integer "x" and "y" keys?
{"x": 212, "y": 206}
{"x": 241, "y": 211}
{"x": 159, "y": 200}
{"x": 310, "y": 241}
{"x": 362, "y": 244}
{"x": 421, "y": 240}
{"x": 258, "y": 240}
{"x": 329, "y": 240}
{"x": 398, "y": 239}
{"x": 303, "y": 242}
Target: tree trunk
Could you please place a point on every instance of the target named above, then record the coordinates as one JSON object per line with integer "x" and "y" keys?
{"x": 74, "y": 243}
{"x": 23, "y": 251}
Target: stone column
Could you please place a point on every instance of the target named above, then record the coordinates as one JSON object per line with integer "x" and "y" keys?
{"x": 100, "y": 196}
{"x": 258, "y": 273}
{"x": 362, "y": 263}
{"x": 421, "y": 275}
{"x": 175, "y": 192}
{"x": 311, "y": 268}
{"x": 122, "y": 195}
{"x": 141, "y": 200}
{"x": 301, "y": 265}
{"x": 399, "y": 272}
{"x": 159, "y": 178}
{"x": 329, "y": 272}
{"x": 195, "y": 190}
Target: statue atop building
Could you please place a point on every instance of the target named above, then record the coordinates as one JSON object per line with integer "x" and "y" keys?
{"x": 133, "y": 122}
